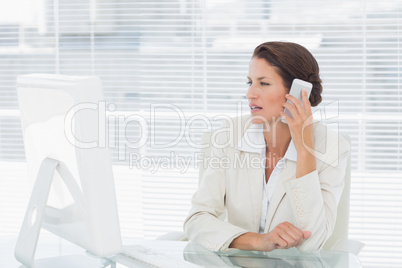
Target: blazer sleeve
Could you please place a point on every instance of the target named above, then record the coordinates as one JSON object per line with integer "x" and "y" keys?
{"x": 315, "y": 196}
{"x": 203, "y": 225}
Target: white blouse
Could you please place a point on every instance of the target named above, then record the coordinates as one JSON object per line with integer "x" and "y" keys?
{"x": 255, "y": 136}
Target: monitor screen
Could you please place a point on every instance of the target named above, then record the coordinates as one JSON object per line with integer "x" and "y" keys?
{"x": 61, "y": 119}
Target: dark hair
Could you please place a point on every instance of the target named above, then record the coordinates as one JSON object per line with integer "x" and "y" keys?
{"x": 292, "y": 61}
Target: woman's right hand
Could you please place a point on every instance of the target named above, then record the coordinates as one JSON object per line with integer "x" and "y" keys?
{"x": 285, "y": 235}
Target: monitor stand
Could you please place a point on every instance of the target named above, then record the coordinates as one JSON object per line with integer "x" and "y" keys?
{"x": 33, "y": 221}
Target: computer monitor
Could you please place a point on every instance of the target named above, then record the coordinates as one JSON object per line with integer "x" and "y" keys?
{"x": 61, "y": 122}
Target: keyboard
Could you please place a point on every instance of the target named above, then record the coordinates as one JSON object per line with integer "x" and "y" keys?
{"x": 151, "y": 258}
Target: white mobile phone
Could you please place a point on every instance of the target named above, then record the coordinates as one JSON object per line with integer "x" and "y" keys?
{"x": 295, "y": 90}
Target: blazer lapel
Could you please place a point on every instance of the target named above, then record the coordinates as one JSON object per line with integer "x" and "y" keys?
{"x": 279, "y": 192}
{"x": 255, "y": 177}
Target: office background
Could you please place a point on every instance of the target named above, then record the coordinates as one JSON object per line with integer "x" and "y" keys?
{"x": 194, "y": 55}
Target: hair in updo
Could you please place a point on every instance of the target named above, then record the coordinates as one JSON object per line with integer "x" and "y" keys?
{"x": 292, "y": 61}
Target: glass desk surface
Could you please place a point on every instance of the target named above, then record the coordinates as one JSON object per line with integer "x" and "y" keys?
{"x": 278, "y": 258}
{"x": 50, "y": 246}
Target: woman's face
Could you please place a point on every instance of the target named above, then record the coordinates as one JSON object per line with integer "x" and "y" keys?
{"x": 266, "y": 92}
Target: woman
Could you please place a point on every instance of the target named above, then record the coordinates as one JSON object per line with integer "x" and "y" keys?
{"x": 292, "y": 200}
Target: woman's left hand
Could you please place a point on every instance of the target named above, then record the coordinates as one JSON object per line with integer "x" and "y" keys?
{"x": 301, "y": 125}
{"x": 302, "y": 132}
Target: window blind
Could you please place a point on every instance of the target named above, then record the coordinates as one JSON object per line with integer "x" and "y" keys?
{"x": 175, "y": 63}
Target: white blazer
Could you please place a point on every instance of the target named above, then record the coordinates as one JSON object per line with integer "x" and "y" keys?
{"x": 232, "y": 183}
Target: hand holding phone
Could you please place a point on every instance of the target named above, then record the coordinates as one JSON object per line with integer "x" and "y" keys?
{"x": 296, "y": 91}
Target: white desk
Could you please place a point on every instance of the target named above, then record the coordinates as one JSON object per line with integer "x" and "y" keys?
{"x": 51, "y": 246}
